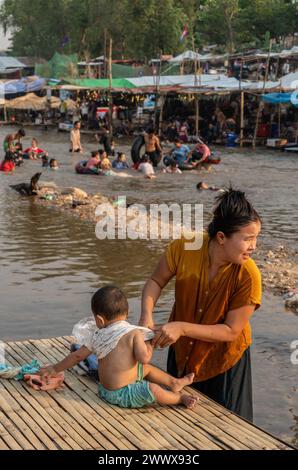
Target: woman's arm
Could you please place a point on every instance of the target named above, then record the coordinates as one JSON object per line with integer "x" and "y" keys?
{"x": 223, "y": 332}
{"x": 152, "y": 290}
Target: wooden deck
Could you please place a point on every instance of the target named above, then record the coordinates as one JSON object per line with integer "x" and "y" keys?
{"x": 76, "y": 418}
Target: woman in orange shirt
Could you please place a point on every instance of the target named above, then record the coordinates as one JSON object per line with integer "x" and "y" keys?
{"x": 217, "y": 289}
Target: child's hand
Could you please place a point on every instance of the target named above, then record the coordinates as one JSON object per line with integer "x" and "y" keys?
{"x": 47, "y": 372}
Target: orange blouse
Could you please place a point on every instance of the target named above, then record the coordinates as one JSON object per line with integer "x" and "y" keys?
{"x": 196, "y": 301}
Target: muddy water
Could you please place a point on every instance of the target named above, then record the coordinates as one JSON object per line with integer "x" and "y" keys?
{"x": 51, "y": 263}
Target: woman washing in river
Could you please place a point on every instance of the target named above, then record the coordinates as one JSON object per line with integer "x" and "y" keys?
{"x": 218, "y": 288}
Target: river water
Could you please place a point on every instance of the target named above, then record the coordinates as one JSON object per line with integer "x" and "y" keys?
{"x": 51, "y": 262}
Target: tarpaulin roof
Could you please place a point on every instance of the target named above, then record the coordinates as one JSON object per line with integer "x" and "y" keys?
{"x": 117, "y": 83}
{"x": 281, "y": 98}
{"x": 8, "y": 63}
{"x": 24, "y": 85}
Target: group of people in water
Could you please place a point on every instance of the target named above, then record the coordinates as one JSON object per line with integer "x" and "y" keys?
{"x": 176, "y": 159}
{"x": 15, "y": 154}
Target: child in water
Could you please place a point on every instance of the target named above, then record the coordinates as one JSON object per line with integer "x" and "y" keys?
{"x": 123, "y": 351}
{"x": 146, "y": 167}
{"x": 202, "y": 185}
{"x": 173, "y": 168}
{"x": 54, "y": 165}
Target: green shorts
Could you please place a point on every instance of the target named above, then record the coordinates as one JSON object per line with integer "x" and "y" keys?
{"x": 134, "y": 395}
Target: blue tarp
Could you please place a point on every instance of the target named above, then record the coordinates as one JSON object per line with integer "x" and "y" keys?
{"x": 277, "y": 98}
{"x": 24, "y": 85}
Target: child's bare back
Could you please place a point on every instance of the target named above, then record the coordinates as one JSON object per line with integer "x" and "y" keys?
{"x": 119, "y": 367}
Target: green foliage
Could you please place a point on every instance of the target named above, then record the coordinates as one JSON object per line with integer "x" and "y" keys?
{"x": 143, "y": 28}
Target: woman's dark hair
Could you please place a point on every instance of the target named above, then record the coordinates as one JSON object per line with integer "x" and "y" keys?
{"x": 110, "y": 302}
{"x": 199, "y": 186}
{"x": 232, "y": 212}
{"x": 94, "y": 153}
{"x": 21, "y": 133}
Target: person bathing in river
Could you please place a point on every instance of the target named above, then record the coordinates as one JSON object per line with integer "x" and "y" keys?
{"x": 152, "y": 146}
{"x": 54, "y": 165}
{"x": 94, "y": 162}
{"x": 120, "y": 163}
{"x": 146, "y": 167}
{"x": 124, "y": 352}
{"x": 34, "y": 151}
{"x": 75, "y": 138}
{"x": 200, "y": 153}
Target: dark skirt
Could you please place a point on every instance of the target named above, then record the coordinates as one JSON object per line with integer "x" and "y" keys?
{"x": 231, "y": 389}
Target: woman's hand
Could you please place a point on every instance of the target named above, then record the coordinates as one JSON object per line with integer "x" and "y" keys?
{"x": 167, "y": 334}
{"x": 147, "y": 322}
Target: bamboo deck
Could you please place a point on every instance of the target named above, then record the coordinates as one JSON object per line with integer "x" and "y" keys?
{"x": 76, "y": 418}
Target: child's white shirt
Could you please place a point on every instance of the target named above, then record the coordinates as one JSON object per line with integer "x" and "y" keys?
{"x": 101, "y": 341}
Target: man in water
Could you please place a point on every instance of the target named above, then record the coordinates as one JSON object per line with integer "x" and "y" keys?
{"x": 152, "y": 146}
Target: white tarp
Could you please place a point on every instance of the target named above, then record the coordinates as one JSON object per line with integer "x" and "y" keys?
{"x": 210, "y": 81}
{"x": 290, "y": 81}
{"x": 186, "y": 56}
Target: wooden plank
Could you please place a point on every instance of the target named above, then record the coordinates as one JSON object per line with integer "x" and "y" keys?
{"x": 76, "y": 418}
{"x": 42, "y": 418}
{"x": 250, "y": 429}
{"x": 16, "y": 431}
{"x": 69, "y": 438}
{"x": 3, "y": 445}
{"x": 26, "y": 414}
{"x": 260, "y": 440}
{"x": 8, "y": 438}
{"x": 233, "y": 439}
{"x": 71, "y": 410}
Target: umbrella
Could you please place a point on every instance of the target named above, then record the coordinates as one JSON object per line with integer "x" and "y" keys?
{"x": 29, "y": 101}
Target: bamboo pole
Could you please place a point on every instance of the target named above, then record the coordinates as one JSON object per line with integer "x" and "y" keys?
{"x": 259, "y": 107}
{"x": 163, "y": 99}
{"x": 110, "y": 88}
{"x": 157, "y": 80}
{"x": 241, "y": 118}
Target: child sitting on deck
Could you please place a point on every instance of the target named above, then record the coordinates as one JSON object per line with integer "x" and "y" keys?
{"x": 124, "y": 352}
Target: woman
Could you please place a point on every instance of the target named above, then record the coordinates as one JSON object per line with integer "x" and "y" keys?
{"x": 217, "y": 289}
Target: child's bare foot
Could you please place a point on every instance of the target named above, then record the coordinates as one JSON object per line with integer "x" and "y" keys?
{"x": 179, "y": 384}
{"x": 189, "y": 401}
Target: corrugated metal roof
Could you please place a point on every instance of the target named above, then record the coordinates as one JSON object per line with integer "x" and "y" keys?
{"x": 7, "y": 62}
